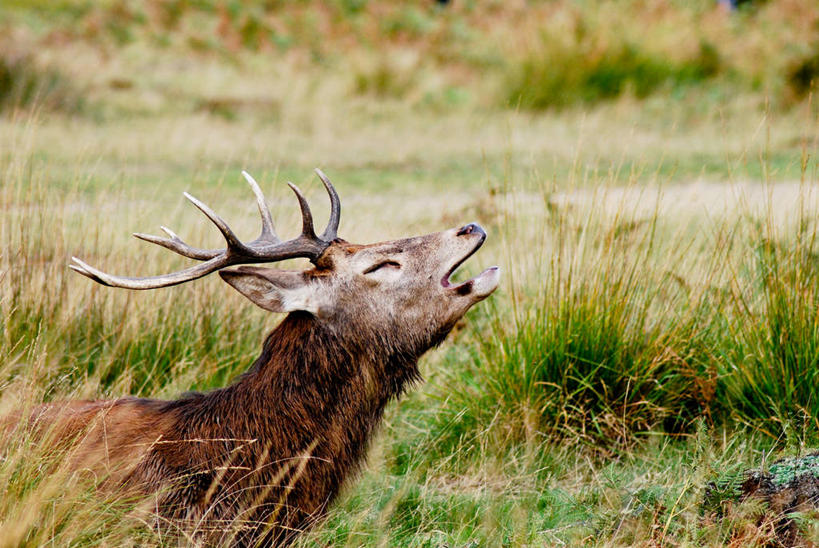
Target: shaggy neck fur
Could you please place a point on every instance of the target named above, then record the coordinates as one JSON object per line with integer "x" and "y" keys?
{"x": 296, "y": 424}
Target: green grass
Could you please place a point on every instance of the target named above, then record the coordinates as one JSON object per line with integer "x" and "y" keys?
{"x": 555, "y": 75}
{"x": 770, "y": 371}
{"x": 651, "y": 493}
{"x": 633, "y": 354}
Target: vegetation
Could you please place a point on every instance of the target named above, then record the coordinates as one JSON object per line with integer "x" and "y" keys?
{"x": 647, "y": 175}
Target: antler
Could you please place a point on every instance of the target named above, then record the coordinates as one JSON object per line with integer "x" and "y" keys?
{"x": 267, "y": 248}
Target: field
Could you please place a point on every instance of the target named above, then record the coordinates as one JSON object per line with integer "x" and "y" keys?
{"x": 647, "y": 175}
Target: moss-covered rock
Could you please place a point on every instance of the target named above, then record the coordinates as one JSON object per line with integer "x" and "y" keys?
{"x": 786, "y": 488}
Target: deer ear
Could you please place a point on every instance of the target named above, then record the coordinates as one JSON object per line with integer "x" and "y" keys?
{"x": 272, "y": 289}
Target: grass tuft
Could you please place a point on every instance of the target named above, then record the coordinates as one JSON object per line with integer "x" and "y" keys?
{"x": 556, "y": 74}
{"x": 24, "y": 83}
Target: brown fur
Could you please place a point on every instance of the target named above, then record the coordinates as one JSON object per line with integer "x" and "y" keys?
{"x": 259, "y": 461}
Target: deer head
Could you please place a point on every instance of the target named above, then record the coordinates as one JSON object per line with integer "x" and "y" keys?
{"x": 399, "y": 288}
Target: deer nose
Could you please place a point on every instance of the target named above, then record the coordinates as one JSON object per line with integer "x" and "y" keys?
{"x": 470, "y": 228}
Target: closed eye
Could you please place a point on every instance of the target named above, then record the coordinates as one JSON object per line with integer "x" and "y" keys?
{"x": 385, "y": 264}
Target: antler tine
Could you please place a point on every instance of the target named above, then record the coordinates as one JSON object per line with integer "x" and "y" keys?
{"x": 331, "y": 232}
{"x": 306, "y": 216}
{"x": 80, "y": 269}
{"x": 177, "y": 245}
{"x": 233, "y": 242}
{"x": 149, "y": 282}
{"x": 268, "y": 232}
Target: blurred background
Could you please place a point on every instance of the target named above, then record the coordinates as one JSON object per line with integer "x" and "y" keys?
{"x": 461, "y": 85}
{"x": 646, "y": 170}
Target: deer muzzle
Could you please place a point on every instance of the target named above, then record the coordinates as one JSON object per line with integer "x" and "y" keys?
{"x": 483, "y": 284}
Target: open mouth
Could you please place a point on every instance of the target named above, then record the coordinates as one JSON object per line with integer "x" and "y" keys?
{"x": 464, "y": 286}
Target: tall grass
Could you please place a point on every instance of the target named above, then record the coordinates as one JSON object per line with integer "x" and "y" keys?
{"x": 603, "y": 343}
{"x": 555, "y": 74}
{"x": 631, "y": 326}
{"x": 616, "y": 325}
{"x": 46, "y": 502}
{"x": 25, "y": 81}
{"x": 87, "y": 335}
{"x": 770, "y": 371}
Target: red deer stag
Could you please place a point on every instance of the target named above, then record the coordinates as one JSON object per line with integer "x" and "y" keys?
{"x": 259, "y": 461}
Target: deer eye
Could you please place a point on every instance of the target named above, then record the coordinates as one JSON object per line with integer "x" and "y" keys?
{"x": 379, "y": 266}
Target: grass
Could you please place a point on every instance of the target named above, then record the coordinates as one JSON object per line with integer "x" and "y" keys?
{"x": 653, "y": 215}
{"x": 771, "y": 378}
{"x": 23, "y": 83}
{"x": 591, "y": 70}
{"x": 596, "y": 397}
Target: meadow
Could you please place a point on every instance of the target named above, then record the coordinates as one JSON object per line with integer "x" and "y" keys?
{"x": 646, "y": 173}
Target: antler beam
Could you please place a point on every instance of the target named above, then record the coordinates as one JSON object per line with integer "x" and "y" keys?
{"x": 267, "y": 248}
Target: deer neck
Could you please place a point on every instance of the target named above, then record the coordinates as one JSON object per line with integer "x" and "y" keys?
{"x": 317, "y": 383}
